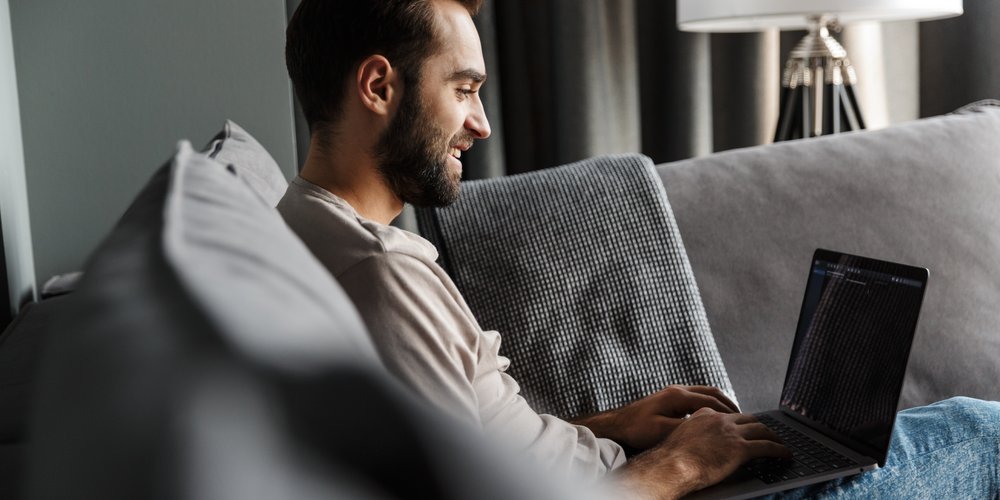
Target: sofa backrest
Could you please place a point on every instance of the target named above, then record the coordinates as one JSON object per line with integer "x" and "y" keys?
{"x": 925, "y": 193}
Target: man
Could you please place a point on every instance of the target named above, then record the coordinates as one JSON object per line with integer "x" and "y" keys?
{"x": 389, "y": 89}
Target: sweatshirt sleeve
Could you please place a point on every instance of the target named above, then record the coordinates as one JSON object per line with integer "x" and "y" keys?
{"x": 423, "y": 339}
{"x": 428, "y": 338}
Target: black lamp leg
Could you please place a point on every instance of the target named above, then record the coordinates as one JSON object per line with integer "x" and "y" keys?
{"x": 852, "y": 101}
{"x": 789, "y": 114}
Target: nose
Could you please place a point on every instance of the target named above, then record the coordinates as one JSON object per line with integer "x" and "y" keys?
{"x": 477, "y": 123}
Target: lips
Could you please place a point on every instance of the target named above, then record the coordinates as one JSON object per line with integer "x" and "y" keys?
{"x": 462, "y": 144}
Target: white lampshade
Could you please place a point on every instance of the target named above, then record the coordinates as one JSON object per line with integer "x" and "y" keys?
{"x": 755, "y": 15}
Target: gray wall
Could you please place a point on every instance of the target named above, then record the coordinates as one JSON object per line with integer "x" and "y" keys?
{"x": 16, "y": 250}
{"x": 108, "y": 87}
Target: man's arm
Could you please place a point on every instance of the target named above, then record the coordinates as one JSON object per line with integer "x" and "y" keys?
{"x": 645, "y": 423}
{"x": 429, "y": 339}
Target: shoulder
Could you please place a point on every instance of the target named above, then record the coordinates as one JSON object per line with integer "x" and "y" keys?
{"x": 395, "y": 283}
{"x": 338, "y": 235}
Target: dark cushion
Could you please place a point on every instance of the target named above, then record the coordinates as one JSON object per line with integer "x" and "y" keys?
{"x": 12, "y": 470}
{"x": 20, "y": 344}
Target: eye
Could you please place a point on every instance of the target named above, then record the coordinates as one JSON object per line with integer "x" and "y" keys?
{"x": 463, "y": 92}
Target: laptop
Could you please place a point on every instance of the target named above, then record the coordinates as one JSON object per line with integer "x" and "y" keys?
{"x": 844, "y": 378}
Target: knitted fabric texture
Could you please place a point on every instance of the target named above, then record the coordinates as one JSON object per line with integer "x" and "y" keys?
{"x": 582, "y": 270}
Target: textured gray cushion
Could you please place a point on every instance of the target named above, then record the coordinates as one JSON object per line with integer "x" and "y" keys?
{"x": 583, "y": 272}
{"x": 925, "y": 193}
{"x": 235, "y": 146}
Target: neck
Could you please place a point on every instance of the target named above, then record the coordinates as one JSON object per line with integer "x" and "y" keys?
{"x": 347, "y": 169}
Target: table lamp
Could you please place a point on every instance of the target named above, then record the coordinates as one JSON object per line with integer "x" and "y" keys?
{"x": 817, "y": 86}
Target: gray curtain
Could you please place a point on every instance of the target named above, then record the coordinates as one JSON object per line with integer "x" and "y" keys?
{"x": 959, "y": 60}
{"x": 571, "y": 79}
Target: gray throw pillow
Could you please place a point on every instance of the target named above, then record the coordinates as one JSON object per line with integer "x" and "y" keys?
{"x": 207, "y": 354}
{"x": 201, "y": 329}
{"x": 582, "y": 270}
{"x": 250, "y": 273}
{"x": 235, "y": 146}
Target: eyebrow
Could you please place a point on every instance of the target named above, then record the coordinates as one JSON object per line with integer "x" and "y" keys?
{"x": 467, "y": 74}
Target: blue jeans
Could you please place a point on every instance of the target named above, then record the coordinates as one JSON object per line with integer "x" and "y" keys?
{"x": 949, "y": 449}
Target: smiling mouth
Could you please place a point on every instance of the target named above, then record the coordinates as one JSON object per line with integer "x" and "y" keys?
{"x": 456, "y": 153}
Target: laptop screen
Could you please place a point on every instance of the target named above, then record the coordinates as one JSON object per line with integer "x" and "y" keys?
{"x": 851, "y": 346}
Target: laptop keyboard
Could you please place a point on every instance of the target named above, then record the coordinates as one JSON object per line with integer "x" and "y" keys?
{"x": 808, "y": 456}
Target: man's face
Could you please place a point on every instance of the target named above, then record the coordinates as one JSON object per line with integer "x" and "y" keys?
{"x": 418, "y": 154}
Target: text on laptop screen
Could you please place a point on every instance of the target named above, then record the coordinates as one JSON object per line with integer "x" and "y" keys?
{"x": 851, "y": 348}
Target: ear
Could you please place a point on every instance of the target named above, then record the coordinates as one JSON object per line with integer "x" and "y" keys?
{"x": 377, "y": 84}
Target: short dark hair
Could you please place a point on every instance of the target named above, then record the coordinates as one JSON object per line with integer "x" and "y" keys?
{"x": 327, "y": 39}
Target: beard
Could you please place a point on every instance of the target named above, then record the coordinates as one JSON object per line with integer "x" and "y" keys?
{"x": 412, "y": 157}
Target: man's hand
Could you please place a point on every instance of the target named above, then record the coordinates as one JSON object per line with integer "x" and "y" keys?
{"x": 647, "y": 422}
{"x": 705, "y": 449}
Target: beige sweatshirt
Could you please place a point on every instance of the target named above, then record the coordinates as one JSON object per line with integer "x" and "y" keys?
{"x": 426, "y": 334}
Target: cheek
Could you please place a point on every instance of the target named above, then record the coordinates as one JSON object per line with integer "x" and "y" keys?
{"x": 455, "y": 120}
{"x": 451, "y": 114}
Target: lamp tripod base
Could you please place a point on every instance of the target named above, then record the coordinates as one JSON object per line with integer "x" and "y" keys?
{"x": 808, "y": 108}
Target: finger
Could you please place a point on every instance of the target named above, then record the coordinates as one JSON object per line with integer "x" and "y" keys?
{"x": 694, "y": 401}
{"x": 757, "y": 431}
{"x": 676, "y": 401}
{"x": 764, "y": 448}
{"x": 744, "y": 418}
{"x": 668, "y": 424}
{"x": 703, "y": 411}
{"x": 716, "y": 393}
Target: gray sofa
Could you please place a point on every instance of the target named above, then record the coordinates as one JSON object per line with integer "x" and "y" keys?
{"x": 197, "y": 340}
{"x": 566, "y": 259}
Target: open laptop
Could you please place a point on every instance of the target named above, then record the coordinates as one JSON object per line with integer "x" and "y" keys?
{"x": 844, "y": 377}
